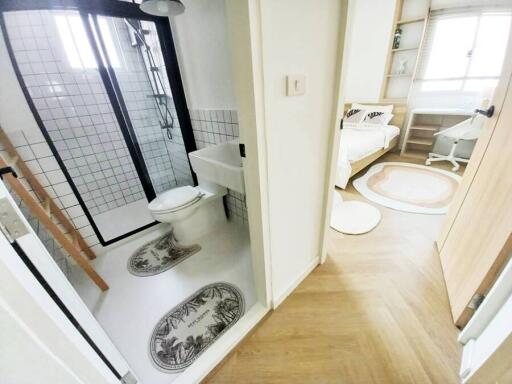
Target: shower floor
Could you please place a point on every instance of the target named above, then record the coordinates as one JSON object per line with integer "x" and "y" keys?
{"x": 121, "y": 220}
{"x": 133, "y": 305}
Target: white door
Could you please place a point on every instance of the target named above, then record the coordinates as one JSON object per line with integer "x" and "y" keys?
{"x": 36, "y": 297}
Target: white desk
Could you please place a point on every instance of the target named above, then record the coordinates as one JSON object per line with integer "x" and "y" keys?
{"x": 423, "y": 123}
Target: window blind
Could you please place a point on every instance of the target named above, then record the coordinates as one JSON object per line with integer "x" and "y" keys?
{"x": 460, "y": 49}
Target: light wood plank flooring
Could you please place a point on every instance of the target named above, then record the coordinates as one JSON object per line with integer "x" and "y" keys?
{"x": 375, "y": 312}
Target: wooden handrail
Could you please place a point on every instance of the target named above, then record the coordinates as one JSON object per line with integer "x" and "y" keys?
{"x": 39, "y": 212}
{"x": 72, "y": 244}
{"x": 48, "y": 202}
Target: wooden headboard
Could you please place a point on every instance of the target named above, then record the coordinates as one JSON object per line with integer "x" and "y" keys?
{"x": 399, "y": 111}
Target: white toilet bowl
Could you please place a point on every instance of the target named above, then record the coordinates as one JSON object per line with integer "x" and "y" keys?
{"x": 176, "y": 204}
{"x": 192, "y": 211}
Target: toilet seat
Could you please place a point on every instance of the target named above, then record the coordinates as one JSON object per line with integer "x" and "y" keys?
{"x": 175, "y": 199}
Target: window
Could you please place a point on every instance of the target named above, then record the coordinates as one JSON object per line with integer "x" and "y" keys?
{"x": 464, "y": 51}
{"x": 76, "y": 44}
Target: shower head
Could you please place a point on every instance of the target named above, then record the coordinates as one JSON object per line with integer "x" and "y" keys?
{"x": 162, "y": 7}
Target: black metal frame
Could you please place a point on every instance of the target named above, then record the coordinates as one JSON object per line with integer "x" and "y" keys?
{"x": 117, "y": 101}
{"x": 121, "y": 9}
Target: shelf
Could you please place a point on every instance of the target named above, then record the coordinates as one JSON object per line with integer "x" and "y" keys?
{"x": 415, "y": 154}
{"x": 420, "y": 141}
{"x": 410, "y": 21}
{"x": 428, "y": 128}
{"x": 397, "y": 75}
{"x": 404, "y": 49}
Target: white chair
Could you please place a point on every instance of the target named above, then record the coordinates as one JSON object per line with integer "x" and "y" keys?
{"x": 466, "y": 130}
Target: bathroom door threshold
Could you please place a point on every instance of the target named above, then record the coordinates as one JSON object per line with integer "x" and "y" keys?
{"x": 216, "y": 353}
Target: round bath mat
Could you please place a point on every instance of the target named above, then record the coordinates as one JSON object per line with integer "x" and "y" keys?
{"x": 188, "y": 329}
{"x": 159, "y": 255}
{"x": 409, "y": 187}
{"x": 353, "y": 217}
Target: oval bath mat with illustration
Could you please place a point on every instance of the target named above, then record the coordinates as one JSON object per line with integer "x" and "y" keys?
{"x": 192, "y": 326}
{"x": 409, "y": 187}
{"x": 159, "y": 255}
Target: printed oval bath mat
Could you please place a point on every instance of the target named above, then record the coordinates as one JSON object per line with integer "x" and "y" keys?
{"x": 159, "y": 255}
{"x": 191, "y": 327}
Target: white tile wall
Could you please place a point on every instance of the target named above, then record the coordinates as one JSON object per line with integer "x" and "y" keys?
{"x": 76, "y": 111}
{"x": 73, "y": 104}
{"x": 214, "y": 127}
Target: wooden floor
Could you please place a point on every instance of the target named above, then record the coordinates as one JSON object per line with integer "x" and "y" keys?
{"x": 375, "y": 312}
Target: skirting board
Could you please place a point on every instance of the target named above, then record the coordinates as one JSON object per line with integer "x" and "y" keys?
{"x": 217, "y": 351}
{"x": 278, "y": 299}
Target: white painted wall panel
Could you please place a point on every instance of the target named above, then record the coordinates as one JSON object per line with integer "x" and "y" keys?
{"x": 202, "y": 45}
{"x": 298, "y": 37}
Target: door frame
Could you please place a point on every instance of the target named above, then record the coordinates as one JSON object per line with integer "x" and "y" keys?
{"x": 337, "y": 126}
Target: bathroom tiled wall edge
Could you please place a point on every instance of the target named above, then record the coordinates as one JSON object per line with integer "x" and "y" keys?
{"x": 216, "y": 126}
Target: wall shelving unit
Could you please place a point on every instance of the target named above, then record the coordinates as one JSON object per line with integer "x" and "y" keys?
{"x": 412, "y": 17}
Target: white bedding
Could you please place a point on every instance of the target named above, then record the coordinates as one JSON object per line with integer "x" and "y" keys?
{"x": 359, "y": 141}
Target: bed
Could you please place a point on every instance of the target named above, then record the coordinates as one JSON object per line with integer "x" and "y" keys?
{"x": 362, "y": 144}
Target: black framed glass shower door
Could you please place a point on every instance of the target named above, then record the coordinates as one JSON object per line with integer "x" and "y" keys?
{"x": 106, "y": 92}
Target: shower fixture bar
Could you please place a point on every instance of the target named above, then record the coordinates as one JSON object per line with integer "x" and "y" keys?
{"x": 157, "y": 86}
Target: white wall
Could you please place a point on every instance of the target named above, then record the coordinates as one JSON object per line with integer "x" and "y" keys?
{"x": 298, "y": 37}
{"x": 368, "y": 33}
{"x": 202, "y": 46}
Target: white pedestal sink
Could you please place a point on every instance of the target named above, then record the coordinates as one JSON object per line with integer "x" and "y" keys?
{"x": 220, "y": 164}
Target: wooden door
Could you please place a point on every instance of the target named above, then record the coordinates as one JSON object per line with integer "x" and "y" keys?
{"x": 478, "y": 241}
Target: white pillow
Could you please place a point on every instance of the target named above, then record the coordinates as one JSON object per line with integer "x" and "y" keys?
{"x": 373, "y": 108}
{"x": 355, "y": 116}
{"x": 381, "y": 118}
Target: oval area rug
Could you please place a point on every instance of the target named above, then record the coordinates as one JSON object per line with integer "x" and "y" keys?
{"x": 409, "y": 187}
{"x": 188, "y": 329}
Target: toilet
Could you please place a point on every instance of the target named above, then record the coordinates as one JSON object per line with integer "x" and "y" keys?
{"x": 176, "y": 204}
{"x": 191, "y": 211}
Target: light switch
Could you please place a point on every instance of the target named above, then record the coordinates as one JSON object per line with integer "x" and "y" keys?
{"x": 295, "y": 85}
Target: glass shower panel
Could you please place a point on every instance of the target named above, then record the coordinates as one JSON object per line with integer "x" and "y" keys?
{"x": 133, "y": 52}
{"x": 59, "y": 70}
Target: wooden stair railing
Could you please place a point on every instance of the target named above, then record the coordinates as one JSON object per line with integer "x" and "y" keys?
{"x": 73, "y": 243}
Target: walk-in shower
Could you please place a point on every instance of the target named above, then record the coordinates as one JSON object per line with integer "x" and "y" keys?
{"x": 104, "y": 86}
